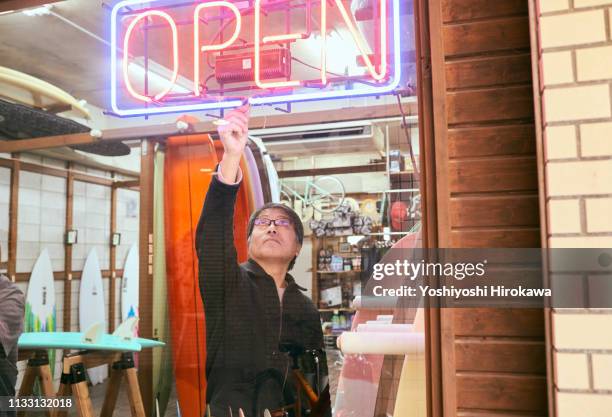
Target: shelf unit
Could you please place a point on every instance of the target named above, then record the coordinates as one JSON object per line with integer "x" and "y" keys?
{"x": 320, "y": 275}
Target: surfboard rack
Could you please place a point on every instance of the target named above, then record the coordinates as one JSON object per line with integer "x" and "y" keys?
{"x": 74, "y": 382}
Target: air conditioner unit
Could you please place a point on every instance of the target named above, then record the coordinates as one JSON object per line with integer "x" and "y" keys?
{"x": 327, "y": 138}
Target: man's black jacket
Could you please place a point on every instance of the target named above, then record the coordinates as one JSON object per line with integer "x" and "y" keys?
{"x": 244, "y": 318}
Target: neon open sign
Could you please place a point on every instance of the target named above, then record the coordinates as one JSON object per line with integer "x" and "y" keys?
{"x": 216, "y": 54}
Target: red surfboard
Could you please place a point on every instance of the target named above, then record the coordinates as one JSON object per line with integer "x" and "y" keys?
{"x": 189, "y": 165}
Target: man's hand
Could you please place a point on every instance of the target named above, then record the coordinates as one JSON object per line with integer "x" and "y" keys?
{"x": 234, "y": 135}
{"x": 234, "y": 132}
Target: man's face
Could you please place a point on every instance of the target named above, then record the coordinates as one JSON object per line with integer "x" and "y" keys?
{"x": 273, "y": 242}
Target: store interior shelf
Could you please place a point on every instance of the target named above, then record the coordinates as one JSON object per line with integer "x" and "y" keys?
{"x": 352, "y": 271}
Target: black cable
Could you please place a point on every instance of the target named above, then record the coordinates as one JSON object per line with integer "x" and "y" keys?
{"x": 407, "y": 133}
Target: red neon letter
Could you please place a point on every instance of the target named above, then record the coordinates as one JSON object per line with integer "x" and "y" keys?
{"x": 126, "y": 54}
{"x": 268, "y": 39}
{"x": 359, "y": 40}
{"x": 217, "y": 47}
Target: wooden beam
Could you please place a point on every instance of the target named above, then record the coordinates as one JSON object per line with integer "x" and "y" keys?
{"x": 92, "y": 179}
{"x": 353, "y": 169}
{"x": 126, "y": 184}
{"x": 145, "y": 370}
{"x": 68, "y": 249}
{"x": 62, "y": 275}
{"x": 23, "y": 145}
{"x": 62, "y": 173}
{"x": 13, "y": 215}
{"x": 67, "y": 154}
{"x": 10, "y": 5}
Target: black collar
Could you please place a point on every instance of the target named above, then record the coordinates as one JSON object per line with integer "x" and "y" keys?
{"x": 254, "y": 268}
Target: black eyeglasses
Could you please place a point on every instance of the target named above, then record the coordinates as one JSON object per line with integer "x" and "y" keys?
{"x": 264, "y": 221}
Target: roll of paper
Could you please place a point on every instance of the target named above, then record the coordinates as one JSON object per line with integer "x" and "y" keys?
{"x": 382, "y": 343}
{"x": 384, "y": 327}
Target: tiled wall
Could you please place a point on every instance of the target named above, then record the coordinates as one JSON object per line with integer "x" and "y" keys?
{"x": 41, "y": 224}
{"x": 576, "y": 67}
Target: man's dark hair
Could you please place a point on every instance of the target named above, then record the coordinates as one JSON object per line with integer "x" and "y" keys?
{"x": 298, "y": 228}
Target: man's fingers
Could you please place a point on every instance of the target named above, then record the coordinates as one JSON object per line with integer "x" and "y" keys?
{"x": 238, "y": 115}
{"x": 243, "y": 124}
{"x": 234, "y": 127}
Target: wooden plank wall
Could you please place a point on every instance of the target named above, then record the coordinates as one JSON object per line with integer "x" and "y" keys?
{"x": 493, "y": 360}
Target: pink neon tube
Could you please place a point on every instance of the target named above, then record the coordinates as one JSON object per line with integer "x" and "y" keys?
{"x": 126, "y": 54}
{"x": 216, "y": 47}
{"x": 257, "y": 63}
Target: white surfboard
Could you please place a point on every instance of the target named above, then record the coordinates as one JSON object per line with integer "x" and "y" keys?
{"x": 31, "y": 91}
{"x": 129, "y": 286}
{"x": 92, "y": 306}
{"x": 272, "y": 174}
{"x": 40, "y": 301}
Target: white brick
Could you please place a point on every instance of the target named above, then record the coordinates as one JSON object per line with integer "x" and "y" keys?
{"x": 561, "y": 142}
{"x": 579, "y": 178}
{"x": 572, "y": 29}
{"x": 599, "y": 215}
{"x": 557, "y": 67}
{"x": 577, "y": 103}
{"x": 596, "y": 139}
{"x": 591, "y": 3}
{"x": 582, "y": 331}
{"x": 602, "y": 372}
{"x": 553, "y": 5}
{"x": 572, "y": 371}
{"x": 564, "y": 216}
{"x": 583, "y": 405}
{"x": 581, "y": 242}
{"x": 594, "y": 63}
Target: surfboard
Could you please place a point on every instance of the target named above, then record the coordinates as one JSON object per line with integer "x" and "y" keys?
{"x": 22, "y": 88}
{"x": 40, "y": 311}
{"x": 411, "y": 397}
{"x": 247, "y": 184}
{"x": 256, "y": 187}
{"x": 162, "y": 358}
{"x": 263, "y": 173}
{"x": 74, "y": 340}
{"x": 190, "y": 162}
{"x": 129, "y": 286}
{"x": 92, "y": 306}
{"x": 271, "y": 170}
{"x": 359, "y": 377}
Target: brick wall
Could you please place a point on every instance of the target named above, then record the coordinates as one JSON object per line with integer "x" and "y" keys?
{"x": 576, "y": 71}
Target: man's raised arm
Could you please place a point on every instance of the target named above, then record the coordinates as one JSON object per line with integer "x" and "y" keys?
{"x": 218, "y": 265}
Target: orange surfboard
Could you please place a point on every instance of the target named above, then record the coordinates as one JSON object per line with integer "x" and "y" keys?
{"x": 189, "y": 166}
